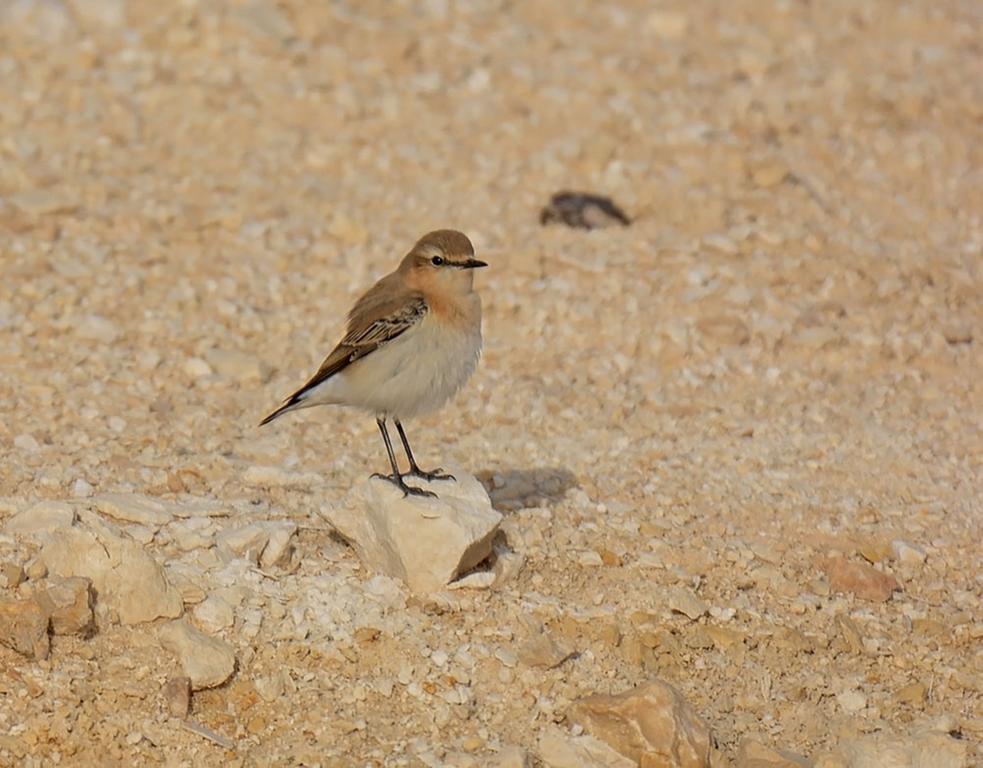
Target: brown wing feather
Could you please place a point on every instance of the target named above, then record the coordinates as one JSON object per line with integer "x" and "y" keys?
{"x": 383, "y": 313}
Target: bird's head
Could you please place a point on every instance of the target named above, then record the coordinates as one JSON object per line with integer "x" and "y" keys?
{"x": 443, "y": 259}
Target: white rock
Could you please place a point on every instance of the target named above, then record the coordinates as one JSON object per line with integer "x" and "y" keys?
{"x": 116, "y": 424}
{"x": 266, "y": 19}
{"x": 907, "y": 554}
{"x": 270, "y": 687}
{"x": 196, "y": 368}
{"x": 685, "y": 602}
{"x": 81, "y": 488}
{"x": 192, "y": 507}
{"x": 504, "y": 565}
{"x": 213, "y": 614}
{"x": 507, "y": 657}
{"x": 186, "y": 579}
{"x": 27, "y": 443}
{"x": 278, "y": 547}
{"x": 851, "y": 701}
{"x": 589, "y": 559}
{"x": 43, "y": 517}
{"x": 559, "y": 750}
{"x": 252, "y": 622}
{"x": 124, "y": 576}
{"x": 931, "y": 748}
{"x": 474, "y": 580}
{"x": 193, "y": 533}
{"x": 543, "y": 650}
{"x": 239, "y": 366}
{"x": 110, "y": 13}
{"x": 41, "y": 202}
{"x": 426, "y": 542}
{"x": 149, "y": 359}
{"x": 140, "y": 533}
{"x": 132, "y": 508}
{"x": 276, "y": 477}
{"x": 98, "y": 328}
{"x": 667, "y": 24}
{"x": 509, "y": 757}
{"x": 265, "y": 542}
{"x": 208, "y": 661}
{"x": 651, "y": 560}
{"x": 247, "y": 542}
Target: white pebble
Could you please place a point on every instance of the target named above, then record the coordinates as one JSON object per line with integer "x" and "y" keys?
{"x": 196, "y": 368}
{"x": 27, "y": 443}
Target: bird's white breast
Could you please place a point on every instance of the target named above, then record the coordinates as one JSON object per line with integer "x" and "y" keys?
{"x": 412, "y": 375}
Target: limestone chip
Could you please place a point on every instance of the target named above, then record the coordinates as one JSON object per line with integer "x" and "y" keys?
{"x": 24, "y": 627}
{"x": 754, "y": 754}
{"x": 68, "y": 604}
{"x": 651, "y": 724}
{"x": 863, "y": 580}
{"x": 559, "y": 750}
{"x": 43, "y": 517}
{"x": 207, "y": 661}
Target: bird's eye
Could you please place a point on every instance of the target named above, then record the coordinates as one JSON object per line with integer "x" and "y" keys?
{"x": 437, "y": 261}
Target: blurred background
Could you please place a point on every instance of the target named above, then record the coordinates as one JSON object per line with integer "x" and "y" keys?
{"x": 782, "y": 346}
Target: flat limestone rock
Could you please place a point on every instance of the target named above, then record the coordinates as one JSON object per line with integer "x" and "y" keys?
{"x": 560, "y": 750}
{"x": 122, "y": 572}
{"x": 932, "y": 748}
{"x": 754, "y": 754}
{"x": 682, "y": 600}
{"x": 426, "y": 542}
{"x": 43, "y": 517}
{"x": 544, "y": 651}
{"x": 213, "y": 614}
{"x": 207, "y": 661}
{"x": 132, "y": 508}
{"x": 265, "y": 542}
{"x": 651, "y": 724}
{"x": 277, "y": 477}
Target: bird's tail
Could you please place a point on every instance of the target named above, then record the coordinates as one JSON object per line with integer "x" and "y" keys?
{"x": 291, "y": 404}
{"x": 299, "y": 399}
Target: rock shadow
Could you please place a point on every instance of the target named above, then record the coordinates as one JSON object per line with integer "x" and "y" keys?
{"x": 512, "y": 489}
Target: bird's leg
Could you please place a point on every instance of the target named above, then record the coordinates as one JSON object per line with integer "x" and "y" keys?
{"x": 395, "y": 478}
{"x": 415, "y": 471}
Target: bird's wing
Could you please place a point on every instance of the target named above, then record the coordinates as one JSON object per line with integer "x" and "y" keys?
{"x": 377, "y": 318}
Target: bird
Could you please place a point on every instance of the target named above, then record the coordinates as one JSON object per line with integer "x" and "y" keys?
{"x": 411, "y": 342}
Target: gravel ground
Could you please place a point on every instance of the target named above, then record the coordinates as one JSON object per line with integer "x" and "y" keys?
{"x": 693, "y": 424}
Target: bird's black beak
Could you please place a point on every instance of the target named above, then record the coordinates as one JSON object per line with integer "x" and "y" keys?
{"x": 473, "y": 264}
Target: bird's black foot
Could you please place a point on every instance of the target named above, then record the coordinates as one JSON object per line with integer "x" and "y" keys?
{"x": 437, "y": 474}
{"x": 408, "y": 490}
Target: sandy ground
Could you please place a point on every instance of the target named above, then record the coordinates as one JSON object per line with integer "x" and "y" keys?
{"x": 776, "y": 363}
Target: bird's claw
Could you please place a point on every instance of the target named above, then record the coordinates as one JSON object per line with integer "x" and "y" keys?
{"x": 408, "y": 490}
{"x": 437, "y": 474}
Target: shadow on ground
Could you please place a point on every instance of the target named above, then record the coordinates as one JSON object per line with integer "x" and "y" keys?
{"x": 512, "y": 489}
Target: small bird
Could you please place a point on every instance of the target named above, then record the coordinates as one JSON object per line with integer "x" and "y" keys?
{"x": 412, "y": 341}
